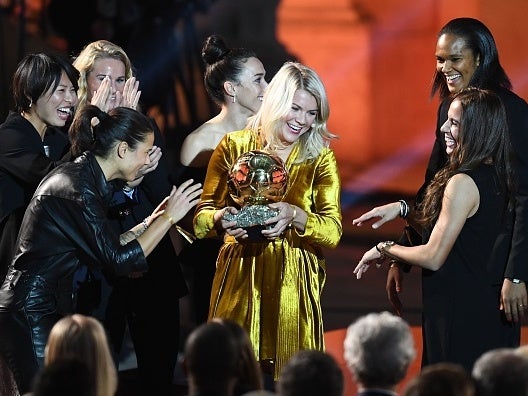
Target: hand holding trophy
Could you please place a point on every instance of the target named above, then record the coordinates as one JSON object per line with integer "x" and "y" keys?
{"x": 256, "y": 179}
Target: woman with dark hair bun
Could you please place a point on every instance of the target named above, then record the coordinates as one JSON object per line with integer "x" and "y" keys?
{"x": 235, "y": 80}
{"x": 66, "y": 224}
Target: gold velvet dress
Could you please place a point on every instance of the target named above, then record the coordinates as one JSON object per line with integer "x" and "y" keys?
{"x": 273, "y": 288}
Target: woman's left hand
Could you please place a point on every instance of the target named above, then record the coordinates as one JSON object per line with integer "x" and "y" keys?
{"x": 131, "y": 93}
{"x": 155, "y": 156}
{"x": 280, "y": 222}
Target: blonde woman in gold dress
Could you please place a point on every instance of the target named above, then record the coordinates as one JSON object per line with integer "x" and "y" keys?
{"x": 272, "y": 286}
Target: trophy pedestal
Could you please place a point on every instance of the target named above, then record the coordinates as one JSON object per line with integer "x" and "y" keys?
{"x": 252, "y": 218}
{"x": 255, "y": 233}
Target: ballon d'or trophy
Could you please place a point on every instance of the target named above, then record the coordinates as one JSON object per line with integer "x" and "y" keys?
{"x": 256, "y": 179}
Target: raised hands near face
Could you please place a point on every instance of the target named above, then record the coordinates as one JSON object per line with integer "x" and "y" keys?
{"x": 131, "y": 93}
{"x": 155, "y": 156}
{"x": 106, "y": 97}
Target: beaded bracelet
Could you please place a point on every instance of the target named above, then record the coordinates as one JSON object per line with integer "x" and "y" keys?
{"x": 145, "y": 223}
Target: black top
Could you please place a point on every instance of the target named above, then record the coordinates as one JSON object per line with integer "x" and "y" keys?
{"x": 517, "y": 114}
{"x": 461, "y": 316}
{"x": 23, "y": 161}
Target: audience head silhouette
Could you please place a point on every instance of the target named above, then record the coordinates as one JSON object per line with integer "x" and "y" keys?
{"x": 249, "y": 376}
{"x": 441, "y": 379}
{"x": 64, "y": 377}
{"x": 210, "y": 359}
{"x": 501, "y": 372}
{"x": 311, "y": 373}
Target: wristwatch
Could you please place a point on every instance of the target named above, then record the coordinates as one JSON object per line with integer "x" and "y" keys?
{"x": 515, "y": 280}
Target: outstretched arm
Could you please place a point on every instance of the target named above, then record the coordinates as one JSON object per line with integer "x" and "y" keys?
{"x": 384, "y": 213}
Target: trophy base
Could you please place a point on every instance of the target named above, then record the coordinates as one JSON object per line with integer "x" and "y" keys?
{"x": 251, "y": 218}
{"x": 251, "y": 215}
{"x": 255, "y": 233}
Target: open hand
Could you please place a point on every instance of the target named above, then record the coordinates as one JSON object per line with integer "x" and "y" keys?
{"x": 370, "y": 256}
{"x": 385, "y": 213}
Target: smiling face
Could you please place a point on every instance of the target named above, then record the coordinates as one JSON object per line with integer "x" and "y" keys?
{"x": 114, "y": 69}
{"x": 455, "y": 61}
{"x": 251, "y": 85}
{"x": 55, "y": 106}
{"x": 134, "y": 159}
{"x": 452, "y": 125}
{"x": 300, "y": 117}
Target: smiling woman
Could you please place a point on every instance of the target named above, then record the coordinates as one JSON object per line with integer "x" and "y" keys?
{"x": 451, "y": 126}
{"x": 44, "y": 93}
{"x": 66, "y": 223}
{"x": 272, "y": 286}
{"x": 467, "y": 217}
{"x": 235, "y": 80}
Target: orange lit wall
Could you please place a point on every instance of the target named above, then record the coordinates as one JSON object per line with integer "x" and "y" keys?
{"x": 376, "y": 58}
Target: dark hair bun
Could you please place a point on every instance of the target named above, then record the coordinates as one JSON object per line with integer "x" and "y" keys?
{"x": 214, "y": 49}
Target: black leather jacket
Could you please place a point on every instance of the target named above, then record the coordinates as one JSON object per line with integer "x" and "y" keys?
{"x": 64, "y": 224}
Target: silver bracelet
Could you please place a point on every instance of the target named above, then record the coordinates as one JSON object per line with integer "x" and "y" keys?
{"x": 404, "y": 208}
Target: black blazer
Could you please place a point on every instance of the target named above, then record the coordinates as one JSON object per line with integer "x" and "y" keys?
{"x": 23, "y": 162}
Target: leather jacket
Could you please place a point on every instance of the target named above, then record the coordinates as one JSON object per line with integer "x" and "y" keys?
{"x": 66, "y": 223}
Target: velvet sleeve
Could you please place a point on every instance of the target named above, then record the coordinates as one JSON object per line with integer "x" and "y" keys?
{"x": 323, "y": 225}
{"x": 215, "y": 193}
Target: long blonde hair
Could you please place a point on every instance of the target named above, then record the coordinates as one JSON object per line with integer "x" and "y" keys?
{"x": 84, "y": 63}
{"x": 277, "y": 103}
{"x": 84, "y": 338}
